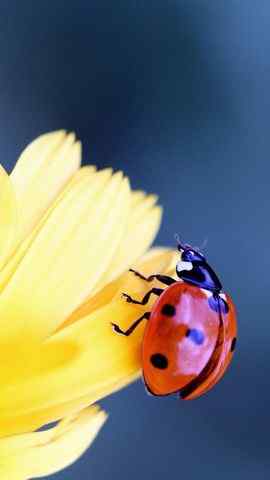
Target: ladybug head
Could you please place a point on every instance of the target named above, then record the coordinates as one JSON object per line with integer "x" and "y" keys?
{"x": 189, "y": 254}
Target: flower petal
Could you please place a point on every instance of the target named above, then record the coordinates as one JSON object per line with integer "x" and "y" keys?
{"x": 8, "y": 217}
{"x": 85, "y": 359}
{"x": 37, "y": 454}
{"x": 80, "y": 236}
{"x": 143, "y": 224}
{"x": 13, "y": 262}
{"x": 41, "y": 172}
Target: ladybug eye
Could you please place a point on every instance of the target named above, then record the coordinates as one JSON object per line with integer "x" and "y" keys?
{"x": 187, "y": 256}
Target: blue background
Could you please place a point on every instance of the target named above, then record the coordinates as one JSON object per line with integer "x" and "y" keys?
{"x": 175, "y": 93}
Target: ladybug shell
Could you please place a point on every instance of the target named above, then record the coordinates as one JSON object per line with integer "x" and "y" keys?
{"x": 186, "y": 345}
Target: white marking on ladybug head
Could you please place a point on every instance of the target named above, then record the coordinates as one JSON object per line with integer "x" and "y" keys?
{"x": 183, "y": 266}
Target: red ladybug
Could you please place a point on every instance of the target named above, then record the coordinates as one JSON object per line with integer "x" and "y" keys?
{"x": 191, "y": 331}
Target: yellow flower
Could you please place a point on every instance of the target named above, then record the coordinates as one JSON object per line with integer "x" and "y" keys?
{"x": 67, "y": 238}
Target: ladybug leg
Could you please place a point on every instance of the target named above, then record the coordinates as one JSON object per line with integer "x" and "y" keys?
{"x": 132, "y": 327}
{"x": 154, "y": 291}
{"x": 161, "y": 278}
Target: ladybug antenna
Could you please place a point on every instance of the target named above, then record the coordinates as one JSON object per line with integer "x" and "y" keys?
{"x": 180, "y": 246}
{"x": 203, "y": 245}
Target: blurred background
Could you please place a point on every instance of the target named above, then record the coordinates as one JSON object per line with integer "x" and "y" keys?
{"x": 177, "y": 94}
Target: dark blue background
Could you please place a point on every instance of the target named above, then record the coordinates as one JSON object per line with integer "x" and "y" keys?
{"x": 176, "y": 93}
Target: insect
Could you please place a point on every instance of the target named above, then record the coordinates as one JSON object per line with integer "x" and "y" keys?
{"x": 190, "y": 335}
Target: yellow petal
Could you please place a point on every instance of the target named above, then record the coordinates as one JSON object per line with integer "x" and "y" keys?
{"x": 6, "y": 273}
{"x": 143, "y": 224}
{"x": 85, "y": 359}
{"x": 8, "y": 217}
{"x": 37, "y": 454}
{"x": 66, "y": 259}
{"x": 41, "y": 172}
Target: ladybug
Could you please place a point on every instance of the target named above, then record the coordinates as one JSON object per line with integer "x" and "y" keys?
{"x": 191, "y": 331}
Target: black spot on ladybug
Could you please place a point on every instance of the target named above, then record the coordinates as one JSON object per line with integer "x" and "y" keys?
{"x": 159, "y": 360}
{"x": 168, "y": 310}
{"x": 233, "y": 345}
{"x": 195, "y": 335}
